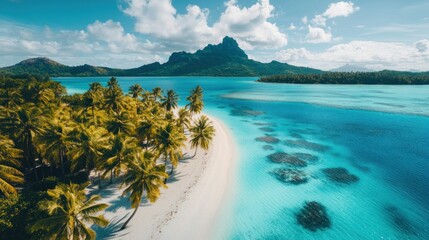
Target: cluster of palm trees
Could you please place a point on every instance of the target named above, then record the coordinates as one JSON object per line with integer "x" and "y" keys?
{"x": 44, "y": 132}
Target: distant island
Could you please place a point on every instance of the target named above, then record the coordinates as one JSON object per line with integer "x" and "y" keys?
{"x": 381, "y": 77}
{"x": 224, "y": 59}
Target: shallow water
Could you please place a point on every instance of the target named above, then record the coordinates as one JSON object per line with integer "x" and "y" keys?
{"x": 379, "y": 134}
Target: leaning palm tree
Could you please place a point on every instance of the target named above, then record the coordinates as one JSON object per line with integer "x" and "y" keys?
{"x": 183, "y": 119}
{"x": 169, "y": 142}
{"x": 70, "y": 213}
{"x": 202, "y": 134}
{"x": 143, "y": 175}
{"x": 135, "y": 90}
{"x": 195, "y": 99}
{"x": 9, "y": 174}
{"x": 170, "y": 101}
{"x": 156, "y": 92}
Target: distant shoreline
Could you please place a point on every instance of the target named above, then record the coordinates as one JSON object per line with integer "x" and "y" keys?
{"x": 352, "y": 78}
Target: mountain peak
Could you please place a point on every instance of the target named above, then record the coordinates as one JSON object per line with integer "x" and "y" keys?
{"x": 39, "y": 61}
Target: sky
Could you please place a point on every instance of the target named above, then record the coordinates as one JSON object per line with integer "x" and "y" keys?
{"x": 324, "y": 34}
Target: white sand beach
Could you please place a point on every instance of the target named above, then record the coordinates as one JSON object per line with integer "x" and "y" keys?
{"x": 188, "y": 209}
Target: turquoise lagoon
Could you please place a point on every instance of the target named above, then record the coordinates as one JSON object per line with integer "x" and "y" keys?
{"x": 380, "y": 134}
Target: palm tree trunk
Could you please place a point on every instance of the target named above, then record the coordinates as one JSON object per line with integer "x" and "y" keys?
{"x": 129, "y": 219}
{"x": 99, "y": 180}
{"x": 93, "y": 116}
{"x": 111, "y": 176}
{"x": 62, "y": 162}
{"x": 195, "y": 152}
{"x": 165, "y": 164}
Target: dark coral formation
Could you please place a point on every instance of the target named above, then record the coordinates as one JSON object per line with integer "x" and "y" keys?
{"x": 264, "y": 124}
{"x": 282, "y": 157}
{"x": 306, "y": 157}
{"x": 266, "y": 129}
{"x": 268, "y": 139}
{"x": 245, "y": 112}
{"x": 400, "y": 221}
{"x": 267, "y": 147}
{"x": 313, "y": 216}
{"x": 300, "y": 143}
{"x": 340, "y": 175}
{"x": 292, "y": 176}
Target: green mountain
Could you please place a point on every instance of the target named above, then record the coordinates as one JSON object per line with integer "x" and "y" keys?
{"x": 224, "y": 59}
{"x": 46, "y": 66}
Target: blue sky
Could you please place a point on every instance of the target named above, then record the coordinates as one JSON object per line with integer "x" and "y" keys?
{"x": 129, "y": 33}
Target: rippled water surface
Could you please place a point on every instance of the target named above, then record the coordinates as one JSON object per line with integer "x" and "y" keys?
{"x": 361, "y": 152}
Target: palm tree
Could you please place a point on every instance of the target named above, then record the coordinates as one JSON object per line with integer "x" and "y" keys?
{"x": 195, "y": 99}
{"x": 55, "y": 142}
{"x": 88, "y": 144}
{"x": 70, "y": 213}
{"x": 24, "y": 124}
{"x": 143, "y": 175}
{"x": 170, "y": 102}
{"x": 183, "y": 119}
{"x": 113, "y": 100}
{"x": 120, "y": 123}
{"x": 169, "y": 142}
{"x": 8, "y": 163}
{"x": 120, "y": 152}
{"x": 156, "y": 92}
{"x": 202, "y": 134}
{"x": 146, "y": 131}
{"x": 135, "y": 90}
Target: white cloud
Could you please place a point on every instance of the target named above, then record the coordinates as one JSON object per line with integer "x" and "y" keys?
{"x": 319, "y": 20}
{"x": 422, "y": 46}
{"x": 304, "y": 20}
{"x": 371, "y": 54}
{"x": 292, "y": 26}
{"x": 340, "y": 9}
{"x": 101, "y": 43}
{"x": 318, "y": 35}
{"x": 249, "y": 25}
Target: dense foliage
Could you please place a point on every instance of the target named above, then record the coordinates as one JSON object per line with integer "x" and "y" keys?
{"x": 382, "y": 77}
{"x": 51, "y": 142}
{"x": 224, "y": 59}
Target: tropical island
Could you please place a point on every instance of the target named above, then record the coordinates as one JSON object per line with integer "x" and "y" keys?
{"x": 61, "y": 155}
{"x": 382, "y": 77}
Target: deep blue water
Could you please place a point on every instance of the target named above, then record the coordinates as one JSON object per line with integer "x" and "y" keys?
{"x": 380, "y": 134}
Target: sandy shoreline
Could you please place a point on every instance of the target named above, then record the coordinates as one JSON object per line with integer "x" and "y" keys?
{"x": 190, "y": 206}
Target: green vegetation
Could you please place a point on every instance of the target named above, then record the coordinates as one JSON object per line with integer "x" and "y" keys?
{"x": 224, "y": 59}
{"x": 50, "y": 142}
{"x": 382, "y": 77}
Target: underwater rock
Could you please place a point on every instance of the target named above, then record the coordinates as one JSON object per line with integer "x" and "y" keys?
{"x": 306, "y": 144}
{"x": 306, "y": 157}
{"x": 282, "y": 157}
{"x": 266, "y": 129}
{"x": 245, "y": 112}
{"x": 264, "y": 124}
{"x": 268, "y": 139}
{"x": 313, "y": 216}
{"x": 340, "y": 175}
{"x": 292, "y": 176}
{"x": 267, "y": 147}
{"x": 400, "y": 221}
{"x": 296, "y": 135}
